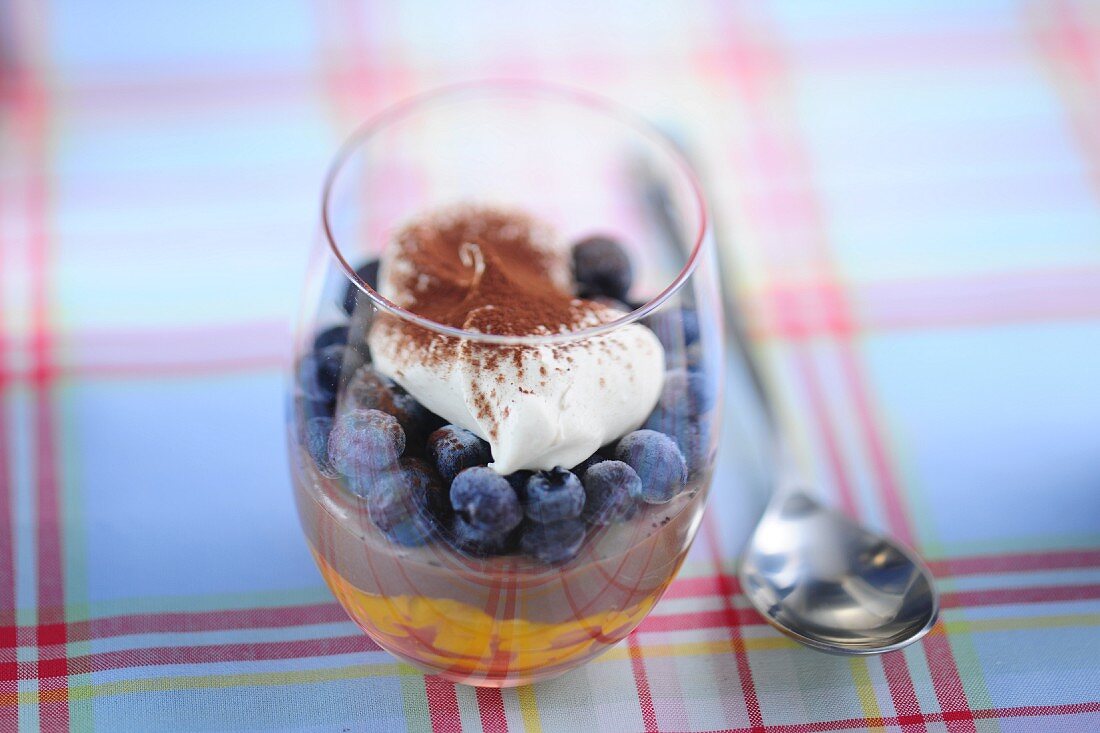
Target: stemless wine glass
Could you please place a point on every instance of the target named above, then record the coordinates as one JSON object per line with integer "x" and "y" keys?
{"x": 494, "y": 616}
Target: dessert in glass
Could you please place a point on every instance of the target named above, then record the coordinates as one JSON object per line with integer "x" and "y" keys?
{"x": 504, "y": 400}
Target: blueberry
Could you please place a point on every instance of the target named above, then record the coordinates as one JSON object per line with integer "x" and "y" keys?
{"x": 676, "y": 328}
{"x": 476, "y": 541}
{"x": 694, "y": 443}
{"x": 372, "y": 391}
{"x": 330, "y": 336}
{"x": 658, "y": 462}
{"x": 553, "y": 495}
{"x": 319, "y": 373}
{"x": 518, "y": 482}
{"x": 316, "y": 439}
{"x": 453, "y": 449}
{"x": 413, "y": 531}
{"x": 678, "y": 420}
{"x": 368, "y": 271}
{"x": 611, "y": 487}
{"x": 318, "y": 408}
{"x": 363, "y": 442}
{"x": 485, "y": 499}
{"x": 587, "y": 463}
{"x": 602, "y": 267}
{"x": 400, "y": 501}
{"x": 692, "y": 359}
{"x": 690, "y": 321}
{"x": 688, "y": 391}
{"x": 553, "y": 543}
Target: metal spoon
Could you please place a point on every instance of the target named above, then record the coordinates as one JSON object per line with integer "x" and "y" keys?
{"x": 828, "y": 582}
{"x": 812, "y": 573}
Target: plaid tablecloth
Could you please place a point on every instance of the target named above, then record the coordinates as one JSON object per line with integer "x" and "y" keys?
{"x": 911, "y": 191}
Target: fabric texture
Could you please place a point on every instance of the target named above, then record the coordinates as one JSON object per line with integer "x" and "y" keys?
{"x": 910, "y": 192}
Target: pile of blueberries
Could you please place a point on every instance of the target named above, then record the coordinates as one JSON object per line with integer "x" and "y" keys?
{"x": 420, "y": 478}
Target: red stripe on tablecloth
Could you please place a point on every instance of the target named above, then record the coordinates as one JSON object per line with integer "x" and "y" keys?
{"x": 1005, "y": 596}
{"x": 693, "y": 587}
{"x": 1072, "y": 50}
{"x": 53, "y": 708}
{"x": 902, "y": 693}
{"x": 99, "y": 348}
{"x": 886, "y": 483}
{"x": 732, "y": 620}
{"x": 944, "y": 302}
{"x": 490, "y": 706}
{"x": 1017, "y": 562}
{"x": 915, "y": 303}
{"x": 113, "y": 91}
{"x": 214, "y": 653}
{"x": 1030, "y": 711}
{"x": 179, "y": 370}
{"x": 9, "y": 715}
{"x": 950, "y": 692}
{"x": 641, "y": 683}
{"x": 194, "y": 621}
{"x": 442, "y": 705}
{"x": 729, "y": 618}
{"x": 820, "y": 412}
{"x": 943, "y": 669}
{"x": 782, "y": 155}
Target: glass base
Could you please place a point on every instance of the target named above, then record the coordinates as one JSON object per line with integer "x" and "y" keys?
{"x": 482, "y": 647}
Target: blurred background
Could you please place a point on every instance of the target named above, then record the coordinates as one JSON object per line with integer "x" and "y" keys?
{"x": 909, "y": 193}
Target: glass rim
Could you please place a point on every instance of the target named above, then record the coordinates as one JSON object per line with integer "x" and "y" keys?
{"x": 520, "y": 89}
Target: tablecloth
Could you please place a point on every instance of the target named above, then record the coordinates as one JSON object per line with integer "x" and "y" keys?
{"x": 910, "y": 192}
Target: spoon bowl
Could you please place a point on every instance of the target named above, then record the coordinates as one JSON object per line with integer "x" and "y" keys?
{"x": 827, "y": 582}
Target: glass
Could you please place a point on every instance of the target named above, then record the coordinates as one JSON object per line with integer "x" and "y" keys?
{"x": 583, "y": 166}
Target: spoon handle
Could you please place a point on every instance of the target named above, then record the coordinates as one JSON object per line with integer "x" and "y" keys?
{"x": 658, "y": 201}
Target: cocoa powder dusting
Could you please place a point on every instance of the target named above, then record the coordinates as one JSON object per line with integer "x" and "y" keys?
{"x": 489, "y": 271}
{"x": 481, "y": 269}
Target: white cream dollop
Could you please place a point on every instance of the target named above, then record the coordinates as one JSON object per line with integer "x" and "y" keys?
{"x": 537, "y": 406}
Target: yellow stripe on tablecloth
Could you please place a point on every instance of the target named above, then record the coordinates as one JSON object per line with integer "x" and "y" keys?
{"x": 1029, "y": 622}
{"x": 868, "y": 701}
{"x": 529, "y": 708}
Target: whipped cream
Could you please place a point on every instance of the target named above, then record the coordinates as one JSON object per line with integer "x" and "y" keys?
{"x": 538, "y": 406}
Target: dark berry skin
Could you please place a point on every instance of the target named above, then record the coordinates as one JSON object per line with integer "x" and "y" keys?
{"x": 477, "y": 542}
{"x": 368, "y": 271}
{"x": 363, "y": 442}
{"x": 454, "y": 449}
{"x": 316, "y": 440}
{"x": 518, "y": 481}
{"x": 317, "y": 408}
{"x": 413, "y": 531}
{"x": 330, "y": 336}
{"x": 601, "y": 266}
{"x": 584, "y": 465}
{"x": 486, "y": 500}
{"x": 658, "y": 462}
{"x": 680, "y": 414}
{"x": 553, "y": 495}
{"x": 406, "y": 505}
{"x": 611, "y": 487}
{"x": 372, "y": 391}
{"x": 554, "y": 543}
{"x": 688, "y": 391}
{"x": 403, "y": 492}
{"x": 690, "y": 321}
{"x": 319, "y": 373}
{"x": 676, "y": 328}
